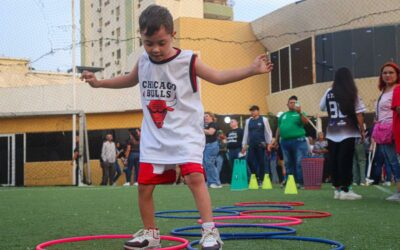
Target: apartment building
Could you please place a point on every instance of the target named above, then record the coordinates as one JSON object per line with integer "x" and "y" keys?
{"x": 110, "y": 29}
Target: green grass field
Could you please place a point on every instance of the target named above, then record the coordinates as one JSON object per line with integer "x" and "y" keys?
{"x": 29, "y": 216}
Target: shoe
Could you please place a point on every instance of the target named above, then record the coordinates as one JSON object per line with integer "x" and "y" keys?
{"x": 394, "y": 197}
{"x": 136, "y": 184}
{"x": 81, "y": 184}
{"x": 368, "y": 181}
{"x": 114, "y": 184}
{"x": 213, "y": 185}
{"x": 350, "y": 195}
{"x": 126, "y": 184}
{"x": 211, "y": 240}
{"x": 355, "y": 184}
{"x": 336, "y": 195}
{"x": 144, "y": 239}
{"x": 387, "y": 183}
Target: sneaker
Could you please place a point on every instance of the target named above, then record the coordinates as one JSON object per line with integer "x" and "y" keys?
{"x": 215, "y": 186}
{"x": 211, "y": 240}
{"x": 368, "y": 181}
{"x": 394, "y": 197}
{"x": 126, "y": 184}
{"x": 336, "y": 195}
{"x": 350, "y": 195}
{"x": 387, "y": 183}
{"x": 136, "y": 184}
{"x": 144, "y": 239}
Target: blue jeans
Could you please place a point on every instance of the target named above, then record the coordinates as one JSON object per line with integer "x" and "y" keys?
{"x": 133, "y": 164}
{"x": 388, "y": 151}
{"x": 211, "y": 151}
{"x": 117, "y": 171}
{"x": 294, "y": 150}
{"x": 233, "y": 154}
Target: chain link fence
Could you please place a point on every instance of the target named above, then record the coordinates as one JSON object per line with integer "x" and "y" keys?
{"x": 306, "y": 40}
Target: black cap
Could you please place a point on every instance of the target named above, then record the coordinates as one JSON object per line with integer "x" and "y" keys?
{"x": 254, "y": 107}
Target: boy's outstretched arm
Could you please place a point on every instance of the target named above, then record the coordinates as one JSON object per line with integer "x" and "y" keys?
{"x": 260, "y": 65}
{"x": 118, "y": 82}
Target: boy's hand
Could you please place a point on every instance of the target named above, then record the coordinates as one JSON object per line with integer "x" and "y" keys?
{"x": 90, "y": 78}
{"x": 262, "y": 64}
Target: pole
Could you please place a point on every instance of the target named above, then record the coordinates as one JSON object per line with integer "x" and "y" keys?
{"x": 73, "y": 90}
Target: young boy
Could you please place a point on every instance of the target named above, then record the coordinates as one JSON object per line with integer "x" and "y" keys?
{"x": 172, "y": 128}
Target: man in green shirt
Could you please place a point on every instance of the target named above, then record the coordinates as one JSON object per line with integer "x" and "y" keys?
{"x": 291, "y": 136}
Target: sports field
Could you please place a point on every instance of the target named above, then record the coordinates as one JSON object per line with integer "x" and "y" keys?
{"x": 29, "y": 216}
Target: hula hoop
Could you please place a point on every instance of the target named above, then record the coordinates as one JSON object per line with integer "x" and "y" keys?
{"x": 43, "y": 245}
{"x": 337, "y": 245}
{"x": 284, "y": 231}
{"x": 290, "y": 220}
{"x": 244, "y": 208}
{"x": 313, "y": 214}
{"x": 160, "y": 214}
{"x": 289, "y": 203}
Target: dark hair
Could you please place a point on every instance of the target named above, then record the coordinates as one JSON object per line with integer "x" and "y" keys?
{"x": 345, "y": 91}
{"x": 134, "y": 133}
{"x": 382, "y": 84}
{"x": 293, "y": 97}
{"x": 153, "y": 17}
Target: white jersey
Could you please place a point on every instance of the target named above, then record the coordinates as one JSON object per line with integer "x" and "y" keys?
{"x": 172, "y": 128}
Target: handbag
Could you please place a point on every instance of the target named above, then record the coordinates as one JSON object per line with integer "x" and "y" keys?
{"x": 382, "y": 132}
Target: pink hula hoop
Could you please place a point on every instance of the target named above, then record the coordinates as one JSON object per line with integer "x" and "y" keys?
{"x": 289, "y": 203}
{"x": 43, "y": 245}
{"x": 311, "y": 213}
{"x": 290, "y": 220}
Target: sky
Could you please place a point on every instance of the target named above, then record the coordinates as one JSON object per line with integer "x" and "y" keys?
{"x": 40, "y": 30}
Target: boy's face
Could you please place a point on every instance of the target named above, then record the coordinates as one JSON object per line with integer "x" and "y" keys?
{"x": 159, "y": 45}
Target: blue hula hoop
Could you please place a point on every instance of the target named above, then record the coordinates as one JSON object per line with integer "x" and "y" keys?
{"x": 337, "y": 245}
{"x": 283, "y": 231}
{"x": 161, "y": 214}
{"x": 245, "y": 208}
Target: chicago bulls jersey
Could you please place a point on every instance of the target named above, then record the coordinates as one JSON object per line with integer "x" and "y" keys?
{"x": 172, "y": 128}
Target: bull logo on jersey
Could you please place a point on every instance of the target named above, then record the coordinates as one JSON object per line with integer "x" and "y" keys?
{"x": 158, "y": 110}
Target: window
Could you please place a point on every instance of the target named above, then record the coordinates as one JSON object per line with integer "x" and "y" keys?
{"x": 385, "y": 46}
{"x": 363, "y": 52}
{"x": 100, "y": 22}
{"x": 107, "y": 23}
{"x": 275, "y": 81}
{"x": 324, "y": 57}
{"x": 285, "y": 68}
{"x": 117, "y": 11}
{"x": 54, "y": 146}
{"x": 108, "y": 64}
{"x": 342, "y": 50}
{"x": 118, "y": 53}
{"x": 118, "y": 31}
{"x": 301, "y": 63}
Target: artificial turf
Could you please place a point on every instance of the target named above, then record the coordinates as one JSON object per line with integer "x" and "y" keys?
{"x": 29, "y": 216}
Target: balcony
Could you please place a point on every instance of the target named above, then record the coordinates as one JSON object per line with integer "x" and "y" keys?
{"x": 217, "y": 11}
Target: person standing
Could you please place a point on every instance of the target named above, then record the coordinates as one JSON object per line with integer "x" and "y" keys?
{"x": 345, "y": 110}
{"x": 234, "y": 139}
{"x": 132, "y": 157}
{"x": 108, "y": 153}
{"x": 291, "y": 136}
{"x": 257, "y": 136}
{"x": 211, "y": 151}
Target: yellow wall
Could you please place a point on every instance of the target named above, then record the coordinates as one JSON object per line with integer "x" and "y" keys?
{"x": 64, "y": 123}
{"x": 221, "y": 53}
{"x": 59, "y": 173}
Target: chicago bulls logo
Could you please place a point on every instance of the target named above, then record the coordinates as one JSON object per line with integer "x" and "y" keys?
{"x": 158, "y": 110}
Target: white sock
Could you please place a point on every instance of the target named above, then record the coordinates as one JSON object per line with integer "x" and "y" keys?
{"x": 208, "y": 225}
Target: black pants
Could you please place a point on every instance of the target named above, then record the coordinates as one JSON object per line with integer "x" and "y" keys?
{"x": 256, "y": 161}
{"x": 340, "y": 162}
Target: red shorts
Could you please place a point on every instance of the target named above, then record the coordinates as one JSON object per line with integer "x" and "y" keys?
{"x": 147, "y": 175}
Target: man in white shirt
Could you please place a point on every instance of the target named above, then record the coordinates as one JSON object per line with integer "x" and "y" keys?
{"x": 108, "y": 153}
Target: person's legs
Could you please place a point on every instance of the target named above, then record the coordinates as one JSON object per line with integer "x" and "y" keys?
{"x": 111, "y": 173}
{"x": 251, "y": 155}
{"x": 260, "y": 156}
{"x": 288, "y": 157}
{"x": 356, "y": 167}
{"x": 117, "y": 171}
{"x": 301, "y": 150}
{"x": 136, "y": 164}
{"x": 196, "y": 183}
{"x": 210, "y": 158}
